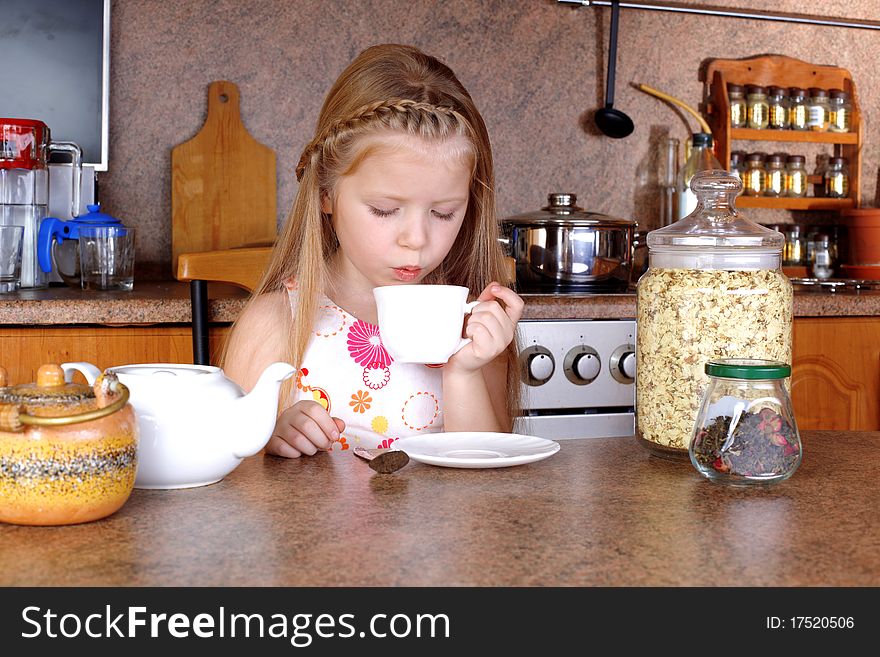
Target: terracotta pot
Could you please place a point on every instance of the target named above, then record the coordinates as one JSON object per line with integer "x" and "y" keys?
{"x": 68, "y": 452}
{"x": 864, "y": 235}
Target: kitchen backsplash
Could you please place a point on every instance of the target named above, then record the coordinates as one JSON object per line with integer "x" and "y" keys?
{"x": 536, "y": 70}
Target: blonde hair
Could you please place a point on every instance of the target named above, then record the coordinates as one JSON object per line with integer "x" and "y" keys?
{"x": 398, "y": 89}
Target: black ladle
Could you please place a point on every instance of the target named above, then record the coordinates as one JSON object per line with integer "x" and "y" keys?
{"x": 610, "y": 121}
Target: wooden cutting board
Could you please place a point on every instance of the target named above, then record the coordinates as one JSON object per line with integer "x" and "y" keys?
{"x": 222, "y": 183}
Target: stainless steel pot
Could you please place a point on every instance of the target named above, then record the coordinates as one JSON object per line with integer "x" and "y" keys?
{"x": 563, "y": 248}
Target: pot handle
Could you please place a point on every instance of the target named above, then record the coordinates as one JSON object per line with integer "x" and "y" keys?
{"x": 89, "y": 371}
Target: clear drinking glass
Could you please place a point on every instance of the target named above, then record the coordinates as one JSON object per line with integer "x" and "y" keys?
{"x": 106, "y": 257}
{"x": 11, "y": 238}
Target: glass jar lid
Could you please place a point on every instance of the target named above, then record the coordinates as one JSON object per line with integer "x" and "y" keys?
{"x": 751, "y": 369}
{"x": 715, "y": 225}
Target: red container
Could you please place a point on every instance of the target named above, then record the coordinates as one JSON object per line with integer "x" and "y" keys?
{"x": 864, "y": 235}
{"x": 23, "y": 144}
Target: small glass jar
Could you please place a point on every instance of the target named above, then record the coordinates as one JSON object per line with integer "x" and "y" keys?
{"x": 774, "y": 175}
{"x": 820, "y": 110}
{"x": 757, "y": 108}
{"x": 822, "y": 259}
{"x": 737, "y": 99}
{"x": 753, "y": 182}
{"x": 738, "y": 164}
{"x": 840, "y": 114}
{"x": 745, "y": 432}
{"x": 837, "y": 178}
{"x": 777, "y": 101}
{"x": 794, "y": 251}
{"x": 795, "y": 176}
{"x": 798, "y": 109}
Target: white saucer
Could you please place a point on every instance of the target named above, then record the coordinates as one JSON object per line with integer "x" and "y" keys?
{"x": 475, "y": 449}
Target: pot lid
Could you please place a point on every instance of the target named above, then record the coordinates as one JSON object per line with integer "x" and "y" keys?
{"x": 50, "y": 390}
{"x": 562, "y": 209}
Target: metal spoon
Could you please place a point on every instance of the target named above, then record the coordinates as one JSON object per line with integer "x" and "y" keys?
{"x": 610, "y": 121}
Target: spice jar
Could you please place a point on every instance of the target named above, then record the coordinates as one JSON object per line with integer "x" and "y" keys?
{"x": 737, "y": 105}
{"x": 714, "y": 289}
{"x": 777, "y": 101}
{"x": 819, "y": 110}
{"x": 840, "y": 112}
{"x": 795, "y": 176}
{"x": 837, "y": 178}
{"x": 757, "y": 107}
{"x": 68, "y": 452}
{"x": 822, "y": 257}
{"x": 774, "y": 175}
{"x": 795, "y": 248}
{"x": 745, "y": 432}
{"x": 753, "y": 181}
{"x": 798, "y": 109}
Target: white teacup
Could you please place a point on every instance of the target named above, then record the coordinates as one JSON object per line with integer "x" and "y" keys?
{"x": 422, "y": 323}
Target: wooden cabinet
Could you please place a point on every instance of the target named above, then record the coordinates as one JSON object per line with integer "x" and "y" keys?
{"x": 835, "y": 380}
{"x": 24, "y": 349}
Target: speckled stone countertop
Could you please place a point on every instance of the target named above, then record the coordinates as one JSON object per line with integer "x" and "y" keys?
{"x": 599, "y": 512}
{"x": 168, "y": 302}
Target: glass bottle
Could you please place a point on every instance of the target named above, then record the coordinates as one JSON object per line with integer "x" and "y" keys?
{"x": 757, "y": 107}
{"x": 837, "y": 178}
{"x": 777, "y": 101}
{"x": 774, "y": 175}
{"x": 795, "y": 176}
{"x": 745, "y": 432}
{"x": 840, "y": 114}
{"x": 798, "y": 109}
{"x": 737, "y": 105}
{"x": 738, "y": 164}
{"x": 714, "y": 289}
{"x": 822, "y": 259}
{"x": 819, "y": 110}
{"x": 700, "y": 159}
{"x": 754, "y": 175}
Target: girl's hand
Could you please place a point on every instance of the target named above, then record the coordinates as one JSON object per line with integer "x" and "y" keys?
{"x": 304, "y": 428}
{"x": 490, "y": 326}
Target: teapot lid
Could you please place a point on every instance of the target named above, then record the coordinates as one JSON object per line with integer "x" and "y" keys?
{"x": 94, "y": 217}
{"x": 54, "y": 401}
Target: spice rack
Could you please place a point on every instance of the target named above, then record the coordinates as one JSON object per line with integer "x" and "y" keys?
{"x": 781, "y": 71}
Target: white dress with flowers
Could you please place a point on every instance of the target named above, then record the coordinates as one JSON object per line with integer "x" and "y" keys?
{"x": 348, "y": 371}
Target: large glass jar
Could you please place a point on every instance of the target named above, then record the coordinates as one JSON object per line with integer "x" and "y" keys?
{"x": 714, "y": 289}
{"x": 745, "y": 432}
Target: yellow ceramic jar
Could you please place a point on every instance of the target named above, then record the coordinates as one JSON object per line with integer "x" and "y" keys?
{"x": 68, "y": 452}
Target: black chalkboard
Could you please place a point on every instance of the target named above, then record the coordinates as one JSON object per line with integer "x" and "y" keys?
{"x": 53, "y": 57}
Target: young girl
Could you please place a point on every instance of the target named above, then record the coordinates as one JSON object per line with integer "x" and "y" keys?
{"x": 396, "y": 188}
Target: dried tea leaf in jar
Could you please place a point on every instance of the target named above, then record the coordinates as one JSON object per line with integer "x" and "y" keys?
{"x": 714, "y": 289}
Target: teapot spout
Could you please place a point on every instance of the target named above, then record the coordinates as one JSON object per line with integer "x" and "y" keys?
{"x": 253, "y": 416}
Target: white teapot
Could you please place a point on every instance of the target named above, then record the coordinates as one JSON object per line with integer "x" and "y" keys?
{"x": 196, "y": 425}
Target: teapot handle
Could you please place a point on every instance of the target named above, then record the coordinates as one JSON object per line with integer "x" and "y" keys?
{"x": 86, "y": 369}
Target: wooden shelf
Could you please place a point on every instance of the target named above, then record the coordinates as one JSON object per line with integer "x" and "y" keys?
{"x": 788, "y": 203}
{"x": 803, "y": 136}
{"x": 777, "y": 70}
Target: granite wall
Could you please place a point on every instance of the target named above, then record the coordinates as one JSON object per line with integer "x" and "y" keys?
{"x": 535, "y": 68}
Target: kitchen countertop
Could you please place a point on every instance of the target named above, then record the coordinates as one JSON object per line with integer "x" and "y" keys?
{"x": 600, "y": 512}
{"x": 168, "y": 302}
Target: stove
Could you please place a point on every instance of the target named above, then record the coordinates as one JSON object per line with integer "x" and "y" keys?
{"x": 578, "y": 378}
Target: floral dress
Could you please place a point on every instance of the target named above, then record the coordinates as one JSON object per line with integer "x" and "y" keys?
{"x": 347, "y": 370}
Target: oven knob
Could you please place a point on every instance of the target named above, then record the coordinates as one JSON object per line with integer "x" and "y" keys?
{"x": 623, "y": 363}
{"x": 538, "y": 365}
{"x": 582, "y": 365}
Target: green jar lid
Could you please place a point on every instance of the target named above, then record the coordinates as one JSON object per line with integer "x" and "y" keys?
{"x": 747, "y": 368}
